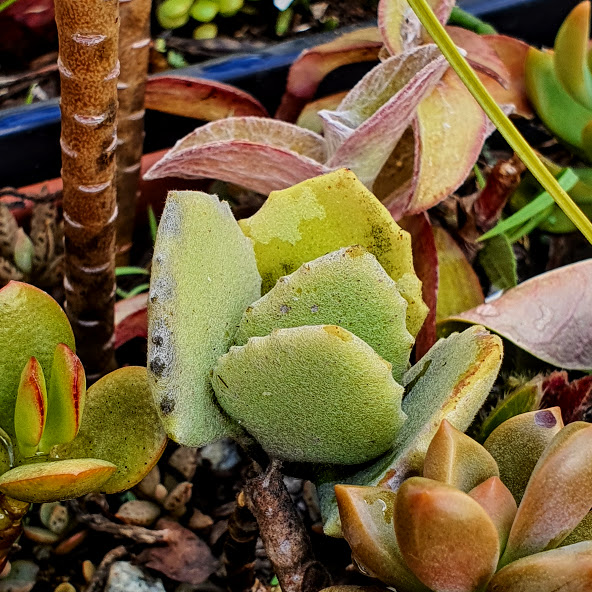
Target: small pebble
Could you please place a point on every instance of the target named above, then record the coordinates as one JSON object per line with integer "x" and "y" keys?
{"x": 199, "y": 520}
{"x": 65, "y": 587}
{"x": 22, "y": 577}
{"x": 88, "y": 570}
{"x": 160, "y": 493}
{"x": 69, "y": 544}
{"x": 138, "y": 512}
{"x": 40, "y": 535}
{"x": 185, "y": 460}
{"x": 177, "y": 498}
{"x": 149, "y": 483}
{"x": 125, "y": 577}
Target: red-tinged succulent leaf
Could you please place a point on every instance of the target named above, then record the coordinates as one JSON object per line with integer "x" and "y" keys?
{"x": 260, "y": 154}
{"x": 400, "y": 28}
{"x": 446, "y": 538}
{"x": 56, "y": 480}
{"x": 131, "y": 319}
{"x": 425, "y": 262}
{"x": 120, "y": 425}
{"x": 582, "y": 532}
{"x": 65, "y": 399}
{"x": 568, "y": 569}
{"x": 499, "y": 503}
{"x": 367, "y": 521}
{"x": 450, "y": 122}
{"x": 518, "y": 443}
{"x": 457, "y": 460}
{"x": 309, "y": 116}
{"x": 573, "y": 398}
{"x": 548, "y": 316}
{"x": 458, "y": 285}
{"x": 31, "y": 408}
{"x": 309, "y": 69}
{"x": 199, "y": 98}
{"x": 31, "y": 324}
{"x": 548, "y": 514}
{"x": 512, "y": 52}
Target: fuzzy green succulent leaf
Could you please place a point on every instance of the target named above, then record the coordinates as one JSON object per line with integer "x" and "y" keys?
{"x": 311, "y": 394}
{"x": 204, "y": 276}
{"x": 446, "y": 537}
{"x": 548, "y": 514}
{"x": 321, "y": 215}
{"x": 31, "y": 324}
{"x": 120, "y": 425}
{"x": 457, "y": 460}
{"x": 348, "y": 288}
{"x": 57, "y": 480}
{"x": 517, "y": 444}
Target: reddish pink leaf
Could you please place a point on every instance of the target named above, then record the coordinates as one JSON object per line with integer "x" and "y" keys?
{"x": 309, "y": 69}
{"x": 199, "y": 98}
{"x": 131, "y": 319}
{"x": 548, "y": 316}
{"x": 574, "y": 398}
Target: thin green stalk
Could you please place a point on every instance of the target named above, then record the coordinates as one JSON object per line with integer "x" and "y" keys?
{"x": 499, "y": 118}
{"x": 4, "y": 5}
{"x": 464, "y": 19}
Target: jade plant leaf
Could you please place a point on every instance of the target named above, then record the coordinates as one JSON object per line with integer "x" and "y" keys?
{"x": 324, "y": 214}
{"x": 204, "y": 276}
{"x": 120, "y": 425}
{"x": 348, "y": 288}
{"x": 547, "y": 316}
{"x": 311, "y": 394}
{"x": 32, "y": 325}
{"x": 56, "y": 480}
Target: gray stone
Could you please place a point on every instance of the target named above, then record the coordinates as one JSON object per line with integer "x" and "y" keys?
{"x": 125, "y": 577}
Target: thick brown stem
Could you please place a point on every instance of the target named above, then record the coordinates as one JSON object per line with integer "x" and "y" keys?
{"x": 283, "y": 533}
{"x": 89, "y": 67}
{"x": 11, "y": 515}
{"x": 134, "y": 47}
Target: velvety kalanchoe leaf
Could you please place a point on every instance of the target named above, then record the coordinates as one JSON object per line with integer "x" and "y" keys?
{"x": 547, "y": 514}
{"x": 65, "y": 399}
{"x": 234, "y": 149}
{"x": 57, "y": 480}
{"x": 31, "y": 324}
{"x": 31, "y": 408}
{"x": 348, "y": 288}
{"x": 120, "y": 425}
{"x": 446, "y": 537}
{"x": 311, "y": 394}
{"x": 547, "y": 316}
{"x": 568, "y": 569}
{"x": 457, "y": 460}
{"x": 367, "y": 520}
{"x": 322, "y": 215}
{"x": 450, "y": 382}
{"x": 518, "y": 443}
{"x": 204, "y": 276}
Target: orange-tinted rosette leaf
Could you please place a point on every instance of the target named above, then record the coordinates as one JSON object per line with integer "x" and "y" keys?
{"x": 31, "y": 408}
{"x": 548, "y": 316}
{"x": 558, "y": 495}
{"x": 65, "y": 399}
{"x": 446, "y": 537}
{"x": 199, "y": 98}
{"x": 57, "y": 480}
{"x": 458, "y": 285}
{"x": 367, "y": 521}
{"x": 120, "y": 425}
{"x": 457, "y": 460}
{"x": 309, "y": 69}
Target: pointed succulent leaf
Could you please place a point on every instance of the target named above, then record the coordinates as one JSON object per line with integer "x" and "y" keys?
{"x": 322, "y": 215}
{"x": 31, "y": 408}
{"x": 204, "y": 276}
{"x": 548, "y": 514}
{"x": 57, "y": 480}
{"x": 450, "y": 382}
{"x": 32, "y": 324}
{"x": 367, "y": 520}
{"x": 348, "y": 288}
{"x": 285, "y": 153}
{"x": 568, "y": 569}
{"x": 457, "y": 460}
{"x": 517, "y": 444}
{"x": 571, "y": 55}
{"x": 65, "y": 398}
{"x": 311, "y": 394}
{"x": 499, "y": 503}
{"x": 120, "y": 425}
{"x": 446, "y": 537}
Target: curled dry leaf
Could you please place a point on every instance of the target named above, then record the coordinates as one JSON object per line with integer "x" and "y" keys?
{"x": 131, "y": 319}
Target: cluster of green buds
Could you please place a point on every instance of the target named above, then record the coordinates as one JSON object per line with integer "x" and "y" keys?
{"x": 511, "y": 515}
{"x": 559, "y": 82}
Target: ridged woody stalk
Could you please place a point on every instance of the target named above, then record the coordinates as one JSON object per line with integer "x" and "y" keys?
{"x": 89, "y": 67}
